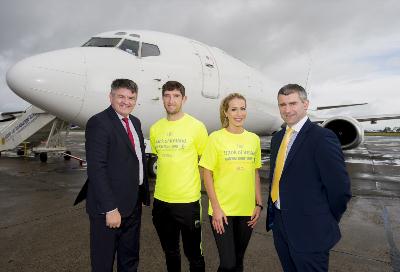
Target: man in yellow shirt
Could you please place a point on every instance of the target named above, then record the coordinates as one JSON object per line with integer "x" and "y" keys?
{"x": 178, "y": 140}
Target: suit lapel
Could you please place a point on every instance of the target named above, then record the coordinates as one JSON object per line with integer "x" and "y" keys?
{"x": 301, "y": 136}
{"x": 275, "y": 148}
{"x": 119, "y": 128}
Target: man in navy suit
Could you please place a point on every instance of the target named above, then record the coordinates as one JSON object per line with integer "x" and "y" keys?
{"x": 309, "y": 188}
{"x": 117, "y": 181}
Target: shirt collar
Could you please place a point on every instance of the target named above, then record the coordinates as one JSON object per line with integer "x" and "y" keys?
{"x": 297, "y": 127}
{"x": 120, "y": 116}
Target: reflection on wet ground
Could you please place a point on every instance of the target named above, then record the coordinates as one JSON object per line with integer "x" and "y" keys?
{"x": 377, "y": 150}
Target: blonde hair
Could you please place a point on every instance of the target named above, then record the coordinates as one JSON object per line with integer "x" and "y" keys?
{"x": 225, "y": 106}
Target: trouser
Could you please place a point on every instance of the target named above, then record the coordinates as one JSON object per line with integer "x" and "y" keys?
{"x": 294, "y": 261}
{"x": 232, "y": 243}
{"x": 105, "y": 242}
{"x": 173, "y": 219}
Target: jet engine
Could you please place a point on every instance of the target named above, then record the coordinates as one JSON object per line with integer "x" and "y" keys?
{"x": 347, "y": 129}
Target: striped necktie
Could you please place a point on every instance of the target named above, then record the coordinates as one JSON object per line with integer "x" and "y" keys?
{"x": 280, "y": 162}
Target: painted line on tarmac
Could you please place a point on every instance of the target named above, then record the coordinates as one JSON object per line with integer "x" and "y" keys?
{"x": 394, "y": 251}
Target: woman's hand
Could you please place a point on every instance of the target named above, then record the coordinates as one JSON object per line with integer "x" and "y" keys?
{"x": 218, "y": 220}
{"x": 254, "y": 218}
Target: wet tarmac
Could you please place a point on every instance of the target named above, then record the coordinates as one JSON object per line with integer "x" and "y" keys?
{"x": 40, "y": 230}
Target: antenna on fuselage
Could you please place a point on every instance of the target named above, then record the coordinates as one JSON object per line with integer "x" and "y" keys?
{"x": 308, "y": 75}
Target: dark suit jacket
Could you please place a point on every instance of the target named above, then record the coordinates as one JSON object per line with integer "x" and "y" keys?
{"x": 112, "y": 166}
{"x": 314, "y": 188}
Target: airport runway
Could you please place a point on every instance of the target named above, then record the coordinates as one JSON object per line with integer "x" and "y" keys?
{"x": 40, "y": 230}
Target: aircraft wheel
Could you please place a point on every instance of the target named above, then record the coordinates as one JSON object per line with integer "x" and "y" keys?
{"x": 67, "y": 158}
{"x": 152, "y": 167}
{"x": 20, "y": 152}
{"x": 43, "y": 157}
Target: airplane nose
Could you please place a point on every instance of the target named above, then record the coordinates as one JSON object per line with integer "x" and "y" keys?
{"x": 53, "y": 81}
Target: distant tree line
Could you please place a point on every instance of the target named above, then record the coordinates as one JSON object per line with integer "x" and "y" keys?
{"x": 384, "y": 130}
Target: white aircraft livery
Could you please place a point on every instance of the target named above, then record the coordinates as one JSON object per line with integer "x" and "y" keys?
{"x": 73, "y": 84}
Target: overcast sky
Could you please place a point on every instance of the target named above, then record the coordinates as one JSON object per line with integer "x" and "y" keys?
{"x": 352, "y": 46}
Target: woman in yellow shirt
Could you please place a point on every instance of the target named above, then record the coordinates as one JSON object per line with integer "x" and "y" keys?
{"x": 231, "y": 161}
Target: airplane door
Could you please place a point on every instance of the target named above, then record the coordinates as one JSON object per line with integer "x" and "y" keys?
{"x": 210, "y": 88}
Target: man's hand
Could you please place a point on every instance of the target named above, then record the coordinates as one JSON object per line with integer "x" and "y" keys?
{"x": 113, "y": 219}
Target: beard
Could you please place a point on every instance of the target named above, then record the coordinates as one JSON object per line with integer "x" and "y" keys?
{"x": 173, "y": 111}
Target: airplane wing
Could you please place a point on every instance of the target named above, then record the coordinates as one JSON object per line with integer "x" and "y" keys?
{"x": 374, "y": 118}
{"x": 339, "y": 106}
{"x": 362, "y": 118}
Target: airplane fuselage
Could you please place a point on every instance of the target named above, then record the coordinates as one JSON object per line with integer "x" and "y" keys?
{"x": 74, "y": 83}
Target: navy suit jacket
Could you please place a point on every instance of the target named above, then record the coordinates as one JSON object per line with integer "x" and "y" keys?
{"x": 112, "y": 166}
{"x": 314, "y": 188}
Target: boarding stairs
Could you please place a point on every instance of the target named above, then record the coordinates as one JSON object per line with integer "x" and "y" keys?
{"x": 34, "y": 129}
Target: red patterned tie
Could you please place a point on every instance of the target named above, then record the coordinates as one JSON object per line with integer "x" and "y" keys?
{"x": 128, "y": 130}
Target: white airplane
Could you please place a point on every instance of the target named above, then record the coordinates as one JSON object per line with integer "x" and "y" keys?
{"x": 73, "y": 84}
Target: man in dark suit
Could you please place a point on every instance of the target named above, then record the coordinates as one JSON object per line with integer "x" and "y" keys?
{"x": 309, "y": 188}
{"x": 117, "y": 181}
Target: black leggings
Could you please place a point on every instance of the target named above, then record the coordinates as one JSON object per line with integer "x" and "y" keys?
{"x": 173, "y": 219}
{"x": 232, "y": 243}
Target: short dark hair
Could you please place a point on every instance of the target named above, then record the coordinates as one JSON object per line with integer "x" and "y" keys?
{"x": 293, "y": 88}
{"x": 173, "y": 85}
{"x": 124, "y": 83}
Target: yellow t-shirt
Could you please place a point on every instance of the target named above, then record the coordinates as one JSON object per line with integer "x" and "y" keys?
{"x": 233, "y": 159}
{"x": 178, "y": 145}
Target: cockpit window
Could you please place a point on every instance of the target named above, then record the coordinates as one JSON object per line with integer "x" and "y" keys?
{"x": 149, "y": 50}
{"x": 102, "y": 42}
{"x": 132, "y": 47}
{"x": 129, "y": 46}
